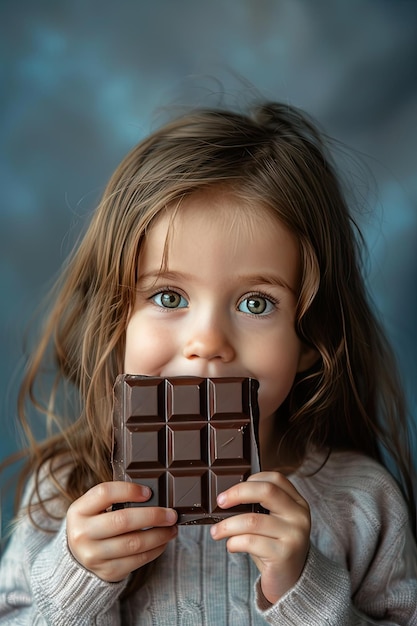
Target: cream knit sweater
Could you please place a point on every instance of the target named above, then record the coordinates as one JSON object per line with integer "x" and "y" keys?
{"x": 361, "y": 569}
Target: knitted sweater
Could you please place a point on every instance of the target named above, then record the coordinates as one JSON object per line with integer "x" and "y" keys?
{"x": 361, "y": 568}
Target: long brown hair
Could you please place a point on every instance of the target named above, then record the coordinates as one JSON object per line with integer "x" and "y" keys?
{"x": 272, "y": 156}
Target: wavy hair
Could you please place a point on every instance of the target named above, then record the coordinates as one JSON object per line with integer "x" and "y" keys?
{"x": 272, "y": 156}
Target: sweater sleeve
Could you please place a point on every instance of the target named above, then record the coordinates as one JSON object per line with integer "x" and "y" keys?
{"x": 41, "y": 583}
{"x": 322, "y": 596}
{"x": 362, "y": 565}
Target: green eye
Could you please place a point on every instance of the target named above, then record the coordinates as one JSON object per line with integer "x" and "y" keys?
{"x": 256, "y": 305}
{"x": 170, "y": 300}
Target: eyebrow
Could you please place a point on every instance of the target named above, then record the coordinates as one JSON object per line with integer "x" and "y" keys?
{"x": 252, "y": 279}
{"x": 266, "y": 279}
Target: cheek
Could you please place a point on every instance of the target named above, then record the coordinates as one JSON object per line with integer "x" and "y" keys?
{"x": 273, "y": 391}
{"x": 276, "y": 372}
{"x": 144, "y": 348}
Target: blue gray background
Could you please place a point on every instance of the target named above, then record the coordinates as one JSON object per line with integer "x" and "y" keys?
{"x": 82, "y": 81}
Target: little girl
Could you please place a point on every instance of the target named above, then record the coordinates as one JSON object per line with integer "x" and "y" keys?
{"x": 222, "y": 247}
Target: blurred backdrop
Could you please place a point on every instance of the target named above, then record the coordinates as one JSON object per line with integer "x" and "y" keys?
{"x": 83, "y": 80}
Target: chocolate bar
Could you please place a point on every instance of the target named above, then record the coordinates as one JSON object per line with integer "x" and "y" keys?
{"x": 188, "y": 439}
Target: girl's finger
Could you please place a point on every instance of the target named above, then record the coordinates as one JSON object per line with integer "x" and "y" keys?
{"x": 250, "y": 524}
{"x": 271, "y": 495}
{"x": 279, "y": 480}
{"x": 102, "y": 496}
{"x": 257, "y": 546}
{"x": 123, "y": 521}
{"x": 133, "y": 543}
{"x": 117, "y": 569}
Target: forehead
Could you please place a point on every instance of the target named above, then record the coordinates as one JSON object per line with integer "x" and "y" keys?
{"x": 216, "y": 229}
{"x": 220, "y": 208}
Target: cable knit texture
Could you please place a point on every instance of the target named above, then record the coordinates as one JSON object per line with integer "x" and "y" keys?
{"x": 361, "y": 568}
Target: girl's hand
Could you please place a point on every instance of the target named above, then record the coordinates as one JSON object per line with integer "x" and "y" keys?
{"x": 111, "y": 544}
{"x": 278, "y": 542}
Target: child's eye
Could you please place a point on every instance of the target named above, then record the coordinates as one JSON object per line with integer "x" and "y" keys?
{"x": 256, "y": 305}
{"x": 170, "y": 300}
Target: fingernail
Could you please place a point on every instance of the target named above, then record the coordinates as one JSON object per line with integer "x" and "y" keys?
{"x": 171, "y": 516}
{"x": 146, "y": 491}
{"x": 221, "y": 498}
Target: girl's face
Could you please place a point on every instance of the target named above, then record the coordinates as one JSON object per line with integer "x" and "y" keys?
{"x": 223, "y": 303}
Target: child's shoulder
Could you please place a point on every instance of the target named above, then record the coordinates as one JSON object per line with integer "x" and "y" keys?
{"x": 353, "y": 484}
{"x": 44, "y": 494}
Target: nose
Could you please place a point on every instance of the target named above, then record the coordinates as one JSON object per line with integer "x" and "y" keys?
{"x": 209, "y": 339}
